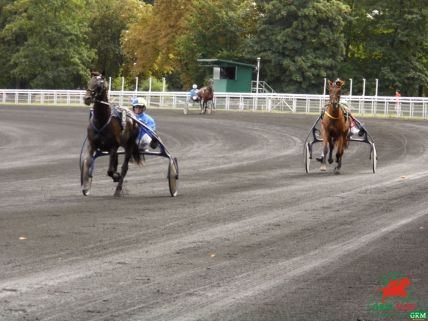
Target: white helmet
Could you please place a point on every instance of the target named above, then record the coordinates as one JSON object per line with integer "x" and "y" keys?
{"x": 344, "y": 102}
{"x": 194, "y": 86}
{"x": 139, "y": 101}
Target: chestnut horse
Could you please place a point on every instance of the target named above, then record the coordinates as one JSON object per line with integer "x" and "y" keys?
{"x": 106, "y": 133}
{"x": 335, "y": 126}
{"x": 206, "y": 94}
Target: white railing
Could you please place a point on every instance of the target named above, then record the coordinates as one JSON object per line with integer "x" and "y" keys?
{"x": 263, "y": 87}
{"x": 369, "y": 106}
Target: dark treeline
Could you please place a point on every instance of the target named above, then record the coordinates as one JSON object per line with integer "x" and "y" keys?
{"x": 53, "y": 44}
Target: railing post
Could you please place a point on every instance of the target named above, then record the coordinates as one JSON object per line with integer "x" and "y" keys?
{"x": 109, "y": 86}
{"x": 258, "y": 75}
{"x": 362, "y": 99}
{"x": 122, "y": 88}
{"x": 424, "y": 109}
{"x": 150, "y": 91}
{"x": 163, "y": 91}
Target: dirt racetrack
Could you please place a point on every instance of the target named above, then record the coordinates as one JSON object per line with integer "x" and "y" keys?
{"x": 250, "y": 236}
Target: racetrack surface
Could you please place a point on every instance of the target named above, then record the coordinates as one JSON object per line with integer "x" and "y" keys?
{"x": 250, "y": 236}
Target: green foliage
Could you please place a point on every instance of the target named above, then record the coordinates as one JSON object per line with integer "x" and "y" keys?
{"x": 54, "y": 43}
{"x": 387, "y": 40}
{"x": 143, "y": 84}
{"x": 47, "y": 44}
{"x": 108, "y": 20}
{"x": 214, "y": 29}
{"x": 150, "y": 41}
{"x": 300, "y": 43}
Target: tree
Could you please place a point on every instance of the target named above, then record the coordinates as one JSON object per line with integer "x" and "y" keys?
{"x": 109, "y": 19}
{"x": 214, "y": 29}
{"x": 149, "y": 43}
{"x": 387, "y": 41}
{"x": 301, "y": 42}
{"x": 9, "y": 44}
{"x": 47, "y": 42}
{"x": 170, "y": 36}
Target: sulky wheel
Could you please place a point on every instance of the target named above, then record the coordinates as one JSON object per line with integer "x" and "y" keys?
{"x": 307, "y": 157}
{"x": 173, "y": 176}
{"x": 373, "y": 157}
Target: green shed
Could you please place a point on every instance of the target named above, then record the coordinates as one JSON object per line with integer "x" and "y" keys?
{"x": 229, "y": 75}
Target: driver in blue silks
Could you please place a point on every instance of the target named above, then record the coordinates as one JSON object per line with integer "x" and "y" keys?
{"x": 144, "y": 139}
{"x": 193, "y": 94}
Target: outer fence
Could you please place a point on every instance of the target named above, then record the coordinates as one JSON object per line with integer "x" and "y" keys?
{"x": 369, "y": 106}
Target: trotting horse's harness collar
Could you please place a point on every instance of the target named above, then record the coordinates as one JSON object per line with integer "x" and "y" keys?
{"x": 332, "y": 117}
{"x": 123, "y": 120}
{"x": 99, "y": 130}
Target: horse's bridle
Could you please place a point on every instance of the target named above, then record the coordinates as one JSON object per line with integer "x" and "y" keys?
{"x": 336, "y": 95}
{"x": 95, "y": 93}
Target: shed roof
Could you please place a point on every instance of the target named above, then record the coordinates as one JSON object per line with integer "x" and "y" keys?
{"x": 223, "y": 63}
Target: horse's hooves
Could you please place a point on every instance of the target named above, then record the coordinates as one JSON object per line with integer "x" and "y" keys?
{"x": 116, "y": 177}
{"x": 85, "y": 192}
{"x": 337, "y": 171}
{"x": 323, "y": 168}
{"x": 330, "y": 161}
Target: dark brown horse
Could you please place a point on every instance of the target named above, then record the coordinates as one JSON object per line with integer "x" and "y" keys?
{"x": 335, "y": 126}
{"x": 205, "y": 95}
{"x": 106, "y": 133}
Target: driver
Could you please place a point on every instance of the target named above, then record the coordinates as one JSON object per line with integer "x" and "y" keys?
{"x": 193, "y": 94}
{"x": 144, "y": 139}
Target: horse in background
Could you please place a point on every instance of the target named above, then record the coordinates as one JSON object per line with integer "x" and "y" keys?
{"x": 335, "y": 126}
{"x": 106, "y": 133}
{"x": 205, "y": 95}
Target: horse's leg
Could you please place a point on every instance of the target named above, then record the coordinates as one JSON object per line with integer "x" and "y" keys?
{"x": 339, "y": 154}
{"x": 323, "y": 167}
{"x": 330, "y": 153}
{"x": 201, "y": 104}
{"x": 211, "y": 106}
{"x": 112, "y": 167}
{"x": 124, "y": 170}
{"x": 86, "y": 169}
